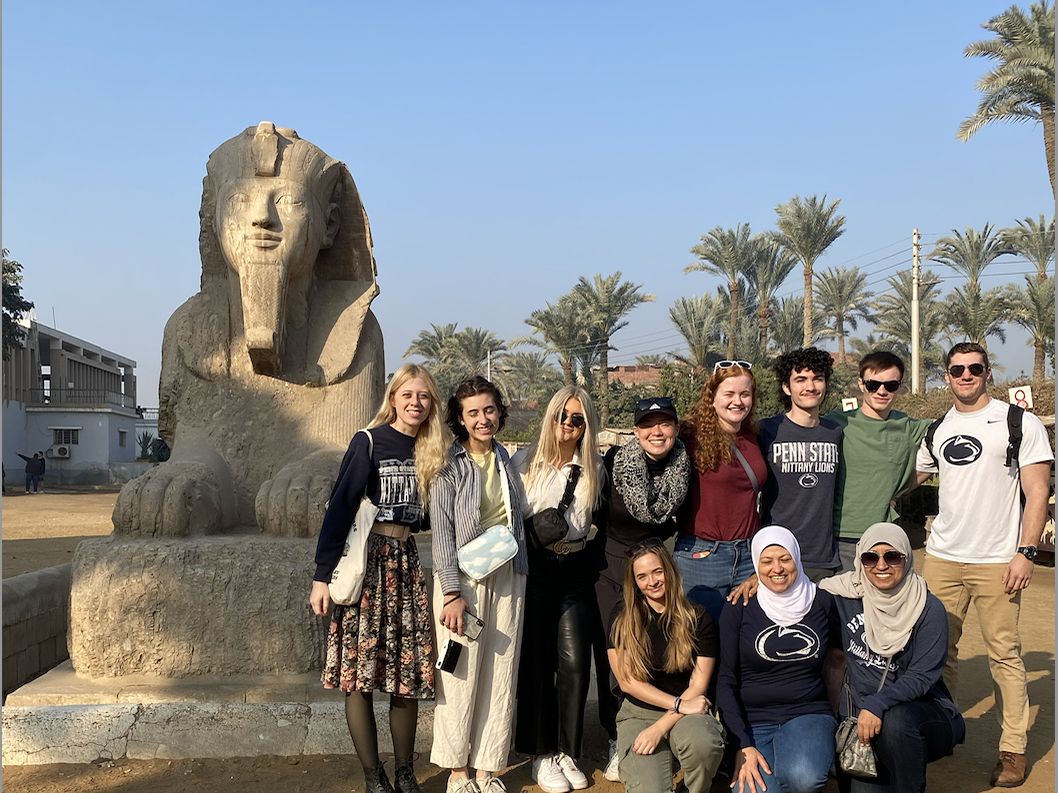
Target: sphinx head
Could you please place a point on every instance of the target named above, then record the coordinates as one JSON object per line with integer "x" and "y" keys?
{"x": 274, "y": 195}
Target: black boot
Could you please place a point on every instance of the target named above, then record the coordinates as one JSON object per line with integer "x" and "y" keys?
{"x": 376, "y": 781}
{"x": 405, "y": 776}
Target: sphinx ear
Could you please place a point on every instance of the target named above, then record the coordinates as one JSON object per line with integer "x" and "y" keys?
{"x": 333, "y": 220}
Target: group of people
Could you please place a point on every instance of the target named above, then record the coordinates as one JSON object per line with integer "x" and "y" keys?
{"x": 744, "y": 646}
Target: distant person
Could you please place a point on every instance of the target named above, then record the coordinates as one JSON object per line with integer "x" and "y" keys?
{"x": 983, "y": 543}
{"x": 719, "y": 516}
{"x": 877, "y": 453}
{"x": 33, "y": 469}
{"x": 43, "y": 466}
{"x": 802, "y": 452}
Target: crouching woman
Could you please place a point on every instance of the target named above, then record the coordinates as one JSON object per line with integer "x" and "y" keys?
{"x": 666, "y": 650}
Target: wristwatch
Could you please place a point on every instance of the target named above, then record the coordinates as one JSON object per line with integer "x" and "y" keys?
{"x": 1028, "y": 551}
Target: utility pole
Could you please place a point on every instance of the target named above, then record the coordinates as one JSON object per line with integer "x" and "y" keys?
{"x": 489, "y": 358}
{"x": 916, "y": 314}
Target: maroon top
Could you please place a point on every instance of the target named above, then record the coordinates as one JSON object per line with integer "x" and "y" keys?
{"x": 721, "y": 504}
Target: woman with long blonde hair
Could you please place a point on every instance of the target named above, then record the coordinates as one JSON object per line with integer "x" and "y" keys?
{"x": 665, "y": 648}
{"x": 719, "y": 516}
{"x": 561, "y": 476}
{"x": 384, "y": 642}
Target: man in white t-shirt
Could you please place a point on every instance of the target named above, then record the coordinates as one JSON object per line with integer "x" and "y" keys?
{"x": 982, "y": 544}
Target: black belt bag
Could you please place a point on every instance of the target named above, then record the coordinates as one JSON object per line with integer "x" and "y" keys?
{"x": 548, "y": 526}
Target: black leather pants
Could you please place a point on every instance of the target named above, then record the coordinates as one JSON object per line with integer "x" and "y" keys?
{"x": 555, "y": 667}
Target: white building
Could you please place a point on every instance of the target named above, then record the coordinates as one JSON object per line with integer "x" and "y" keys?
{"x": 76, "y": 402}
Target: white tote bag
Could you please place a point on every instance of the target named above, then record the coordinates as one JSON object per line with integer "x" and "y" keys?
{"x": 347, "y": 580}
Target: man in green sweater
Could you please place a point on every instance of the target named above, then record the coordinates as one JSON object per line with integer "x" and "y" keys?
{"x": 877, "y": 453}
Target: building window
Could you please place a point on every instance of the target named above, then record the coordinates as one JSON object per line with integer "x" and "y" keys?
{"x": 123, "y": 438}
{"x": 66, "y": 437}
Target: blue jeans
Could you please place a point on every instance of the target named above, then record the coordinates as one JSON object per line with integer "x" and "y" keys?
{"x": 799, "y": 752}
{"x": 913, "y": 735}
{"x": 709, "y": 579}
{"x": 32, "y": 480}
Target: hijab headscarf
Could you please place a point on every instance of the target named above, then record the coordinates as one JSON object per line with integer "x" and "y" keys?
{"x": 889, "y": 616}
{"x": 783, "y": 608}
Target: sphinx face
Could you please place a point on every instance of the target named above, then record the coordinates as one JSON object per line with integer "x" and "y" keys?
{"x": 271, "y": 230}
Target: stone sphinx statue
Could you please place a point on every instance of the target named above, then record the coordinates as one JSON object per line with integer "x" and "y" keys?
{"x": 269, "y": 370}
{"x": 266, "y": 374}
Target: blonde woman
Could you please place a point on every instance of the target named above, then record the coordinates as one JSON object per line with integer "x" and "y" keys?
{"x": 385, "y": 641}
{"x": 665, "y": 652}
{"x": 561, "y": 475}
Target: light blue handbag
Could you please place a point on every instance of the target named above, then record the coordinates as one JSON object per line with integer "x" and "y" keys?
{"x": 488, "y": 552}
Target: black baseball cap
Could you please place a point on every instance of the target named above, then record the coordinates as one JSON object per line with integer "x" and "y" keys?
{"x": 662, "y": 404}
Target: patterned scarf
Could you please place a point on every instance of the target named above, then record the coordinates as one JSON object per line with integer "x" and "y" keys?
{"x": 651, "y": 499}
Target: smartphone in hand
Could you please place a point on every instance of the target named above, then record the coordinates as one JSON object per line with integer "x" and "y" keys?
{"x": 471, "y": 625}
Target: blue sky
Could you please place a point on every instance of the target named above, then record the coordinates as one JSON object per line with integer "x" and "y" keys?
{"x": 502, "y": 150}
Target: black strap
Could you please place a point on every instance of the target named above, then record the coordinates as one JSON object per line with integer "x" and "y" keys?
{"x": 1015, "y": 413}
{"x": 929, "y": 439}
{"x": 571, "y": 485}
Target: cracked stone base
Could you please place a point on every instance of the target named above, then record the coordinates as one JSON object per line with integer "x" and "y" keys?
{"x": 60, "y": 718}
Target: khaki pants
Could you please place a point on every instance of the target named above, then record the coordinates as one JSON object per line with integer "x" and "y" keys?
{"x": 696, "y": 740}
{"x": 475, "y": 703}
{"x": 956, "y": 585}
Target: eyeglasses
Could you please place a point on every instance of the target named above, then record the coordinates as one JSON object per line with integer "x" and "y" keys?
{"x": 892, "y": 558}
{"x": 892, "y": 386}
{"x": 655, "y": 403}
{"x": 976, "y": 369}
{"x": 650, "y": 542}
{"x": 575, "y": 419}
{"x": 729, "y": 364}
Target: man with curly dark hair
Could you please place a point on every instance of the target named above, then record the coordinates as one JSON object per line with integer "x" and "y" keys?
{"x": 802, "y": 452}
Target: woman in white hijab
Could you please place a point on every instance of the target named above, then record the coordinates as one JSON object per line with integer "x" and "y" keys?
{"x": 895, "y": 635}
{"x": 770, "y": 690}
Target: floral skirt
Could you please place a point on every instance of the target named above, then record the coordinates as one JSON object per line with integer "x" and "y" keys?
{"x": 385, "y": 642}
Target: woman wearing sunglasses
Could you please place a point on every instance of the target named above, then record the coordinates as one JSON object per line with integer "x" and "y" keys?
{"x": 895, "y": 635}
{"x": 770, "y": 689}
{"x": 561, "y": 476}
{"x": 646, "y": 483}
{"x": 665, "y": 650}
{"x": 719, "y": 515}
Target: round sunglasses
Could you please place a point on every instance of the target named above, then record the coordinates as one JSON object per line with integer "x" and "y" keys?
{"x": 649, "y": 543}
{"x": 976, "y": 369}
{"x": 892, "y": 558}
{"x": 575, "y": 419}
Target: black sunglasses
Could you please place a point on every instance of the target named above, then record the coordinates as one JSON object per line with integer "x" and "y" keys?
{"x": 729, "y": 364}
{"x": 976, "y": 369}
{"x": 654, "y": 403}
{"x": 892, "y": 558}
{"x": 650, "y": 542}
{"x": 576, "y": 419}
{"x": 892, "y": 386}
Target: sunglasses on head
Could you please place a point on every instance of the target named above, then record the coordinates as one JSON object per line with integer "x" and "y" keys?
{"x": 729, "y": 364}
{"x": 892, "y": 386}
{"x": 650, "y": 542}
{"x": 892, "y": 558}
{"x": 575, "y": 419}
{"x": 976, "y": 369}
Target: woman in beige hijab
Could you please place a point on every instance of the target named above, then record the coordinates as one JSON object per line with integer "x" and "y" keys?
{"x": 895, "y": 636}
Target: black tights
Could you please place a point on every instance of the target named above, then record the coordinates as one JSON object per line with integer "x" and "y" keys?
{"x": 360, "y": 715}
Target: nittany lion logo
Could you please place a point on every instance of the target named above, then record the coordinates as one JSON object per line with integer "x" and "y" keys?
{"x": 961, "y": 449}
{"x": 808, "y": 480}
{"x": 796, "y": 643}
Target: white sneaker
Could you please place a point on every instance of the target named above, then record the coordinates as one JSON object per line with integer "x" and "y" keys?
{"x": 573, "y": 775}
{"x": 611, "y": 772}
{"x": 490, "y": 784}
{"x": 548, "y": 775}
{"x": 461, "y": 784}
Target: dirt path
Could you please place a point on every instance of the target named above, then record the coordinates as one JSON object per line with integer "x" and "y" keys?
{"x": 40, "y": 531}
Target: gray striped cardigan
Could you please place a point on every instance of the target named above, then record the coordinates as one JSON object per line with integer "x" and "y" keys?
{"x": 455, "y": 512}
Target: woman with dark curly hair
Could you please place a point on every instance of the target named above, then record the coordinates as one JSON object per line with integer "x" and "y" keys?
{"x": 384, "y": 642}
{"x": 476, "y": 490}
{"x": 719, "y": 516}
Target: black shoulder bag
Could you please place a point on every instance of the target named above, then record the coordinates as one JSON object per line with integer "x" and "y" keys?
{"x": 548, "y": 526}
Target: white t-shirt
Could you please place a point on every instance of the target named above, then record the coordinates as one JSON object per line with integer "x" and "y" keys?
{"x": 980, "y": 498}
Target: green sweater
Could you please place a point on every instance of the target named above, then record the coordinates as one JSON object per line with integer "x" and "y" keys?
{"x": 877, "y": 464}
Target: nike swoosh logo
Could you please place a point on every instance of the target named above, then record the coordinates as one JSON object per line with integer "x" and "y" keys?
{"x": 995, "y": 421}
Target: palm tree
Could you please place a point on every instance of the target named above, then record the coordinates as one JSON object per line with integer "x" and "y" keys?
{"x": 770, "y": 267}
{"x": 473, "y": 349}
{"x": 1021, "y": 86}
{"x": 697, "y": 319}
{"x": 558, "y": 330}
{"x": 606, "y": 302}
{"x": 977, "y": 315}
{"x": 728, "y": 253}
{"x": 654, "y": 359}
{"x": 893, "y": 320}
{"x": 527, "y": 376}
{"x": 808, "y": 228}
{"x": 1033, "y": 309}
{"x": 788, "y": 331}
{"x": 1035, "y": 241}
{"x": 843, "y": 296}
{"x": 970, "y": 255}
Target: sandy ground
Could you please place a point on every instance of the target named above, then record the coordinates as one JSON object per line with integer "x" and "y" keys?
{"x": 40, "y": 531}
